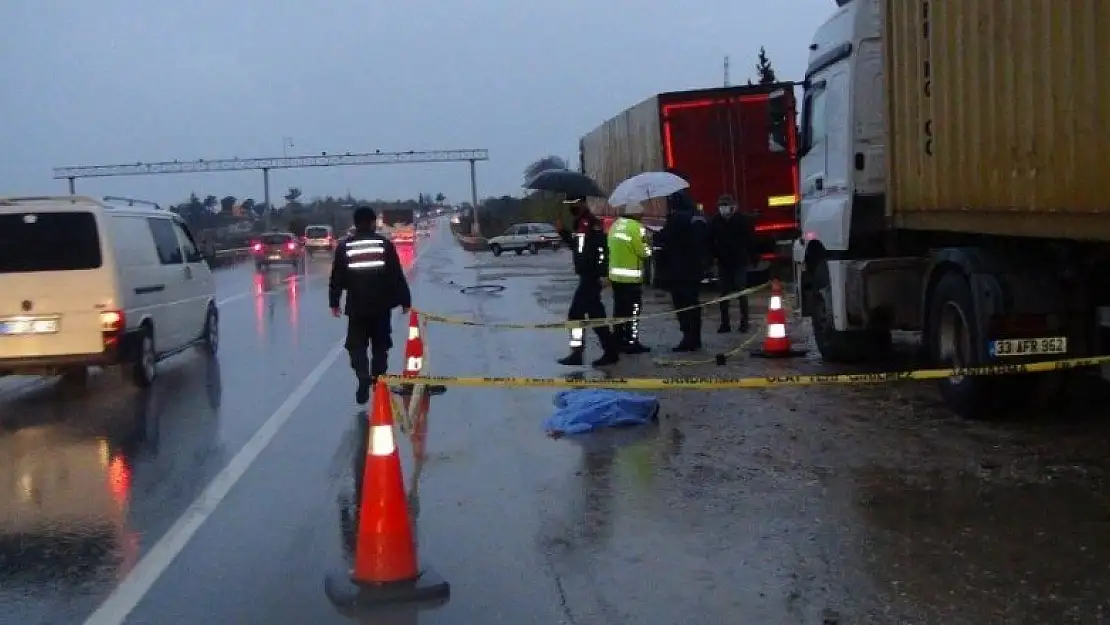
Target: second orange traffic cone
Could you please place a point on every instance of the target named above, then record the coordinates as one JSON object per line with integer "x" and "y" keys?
{"x": 385, "y": 568}
{"x": 414, "y": 348}
{"x": 776, "y": 343}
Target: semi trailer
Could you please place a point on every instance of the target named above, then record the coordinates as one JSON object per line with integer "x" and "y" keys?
{"x": 950, "y": 163}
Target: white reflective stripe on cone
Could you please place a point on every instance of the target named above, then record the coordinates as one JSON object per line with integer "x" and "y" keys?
{"x": 414, "y": 364}
{"x": 776, "y": 302}
{"x": 776, "y": 331}
{"x": 381, "y": 440}
{"x": 414, "y": 333}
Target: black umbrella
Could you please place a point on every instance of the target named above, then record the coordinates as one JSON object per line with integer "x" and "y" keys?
{"x": 565, "y": 181}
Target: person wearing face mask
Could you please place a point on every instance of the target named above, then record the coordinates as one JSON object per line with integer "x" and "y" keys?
{"x": 589, "y": 248}
{"x": 732, "y": 238}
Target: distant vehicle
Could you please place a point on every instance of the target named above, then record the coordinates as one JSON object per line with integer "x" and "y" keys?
{"x": 99, "y": 282}
{"x": 718, "y": 139}
{"x": 280, "y": 248}
{"x": 531, "y": 236}
{"x": 403, "y": 234}
{"x": 318, "y": 239}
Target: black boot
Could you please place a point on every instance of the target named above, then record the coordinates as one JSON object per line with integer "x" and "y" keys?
{"x": 724, "y": 328}
{"x": 636, "y": 348}
{"x": 574, "y": 359}
{"x": 687, "y": 344}
{"x": 362, "y": 395}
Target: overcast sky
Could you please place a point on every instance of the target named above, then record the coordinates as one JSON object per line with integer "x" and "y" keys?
{"x": 118, "y": 81}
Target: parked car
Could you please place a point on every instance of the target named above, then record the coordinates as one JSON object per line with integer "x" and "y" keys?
{"x": 319, "y": 238}
{"x": 531, "y": 236}
{"x": 278, "y": 248}
{"x": 87, "y": 282}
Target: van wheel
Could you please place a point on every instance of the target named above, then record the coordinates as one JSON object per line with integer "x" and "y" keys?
{"x": 496, "y": 249}
{"x": 145, "y": 368}
{"x": 210, "y": 342}
{"x": 533, "y": 249}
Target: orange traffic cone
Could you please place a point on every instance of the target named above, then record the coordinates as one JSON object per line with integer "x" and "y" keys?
{"x": 414, "y": 348}
{"x": 776, "y": 344}
{"x": 385, "y": 567}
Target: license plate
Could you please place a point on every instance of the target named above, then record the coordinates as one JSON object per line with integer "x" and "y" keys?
{"x": 275, "y": 256}
{"x": 1029, "y": 347}
{"x": 28, "y": 326}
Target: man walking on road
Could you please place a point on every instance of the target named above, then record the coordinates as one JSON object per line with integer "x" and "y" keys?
{"x": 628, "y": 249}
{"x": 733, "y": 240}
{"x": 683, "y": 240}
{"x": 588, "y": 245}
{"x": 368, "y": 268}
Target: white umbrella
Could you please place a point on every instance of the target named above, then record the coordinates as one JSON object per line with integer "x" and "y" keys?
{"x": 646, "y": 186}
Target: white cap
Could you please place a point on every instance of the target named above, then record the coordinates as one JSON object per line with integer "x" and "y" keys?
{"x": 635, "y": 208}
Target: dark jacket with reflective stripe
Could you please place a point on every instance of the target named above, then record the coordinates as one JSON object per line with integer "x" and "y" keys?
{"x": 589, "y": 246}
{"x": 368, "y": 268}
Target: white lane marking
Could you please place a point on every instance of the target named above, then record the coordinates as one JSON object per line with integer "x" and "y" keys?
{"x": 138, "y": 582}
{"x": 150, "y": 568}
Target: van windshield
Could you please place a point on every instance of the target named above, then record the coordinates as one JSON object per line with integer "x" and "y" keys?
{"x": 34, "y": 242}
{"x": 316, "y": 233}
{"x": 276, "y": 239}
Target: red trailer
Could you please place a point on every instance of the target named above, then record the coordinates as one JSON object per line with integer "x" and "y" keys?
{"x": 719, "y": 140}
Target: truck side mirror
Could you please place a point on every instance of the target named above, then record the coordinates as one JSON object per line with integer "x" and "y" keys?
{"x": 779, "y": 119}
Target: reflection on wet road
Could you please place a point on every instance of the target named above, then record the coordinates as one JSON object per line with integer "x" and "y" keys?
{"x": 826, "y": 506}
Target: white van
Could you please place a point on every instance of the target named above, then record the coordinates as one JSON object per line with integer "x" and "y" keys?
{"x": 87, "y": 282}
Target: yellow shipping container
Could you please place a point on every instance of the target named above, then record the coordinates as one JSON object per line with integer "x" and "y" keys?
{"x": 622, "y": 147}
{"x": 998, "y": 116}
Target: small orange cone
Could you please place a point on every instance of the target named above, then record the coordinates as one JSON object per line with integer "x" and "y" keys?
{"x": 385, "y": 567}
{"x": 776, "y": 343}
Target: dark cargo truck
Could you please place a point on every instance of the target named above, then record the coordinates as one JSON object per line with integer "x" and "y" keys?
{"x": 720, "y": 141}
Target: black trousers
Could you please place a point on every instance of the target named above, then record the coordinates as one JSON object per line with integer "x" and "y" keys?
{"x": 627, "y": 302}
{"x": 732, "y": 280}
{"x": 586, "y": 304}
{"x": 684, "y": 294}
{"x": 373, "y": 331}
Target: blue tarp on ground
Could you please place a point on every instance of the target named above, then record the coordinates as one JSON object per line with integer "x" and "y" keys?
{"x": 585, "y": 410}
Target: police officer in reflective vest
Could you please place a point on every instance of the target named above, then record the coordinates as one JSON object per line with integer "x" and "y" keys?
{"x": 368, "y": 268}
{"x": 590, "y": 250}
{"x": 628, "y": 249}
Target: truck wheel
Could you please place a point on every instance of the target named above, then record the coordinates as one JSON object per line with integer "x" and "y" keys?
{"x": 519, "y": 251}
{"x": 953, "y": 337}
{"x": 841, "y": 346}
{"x": 533, "y": 249}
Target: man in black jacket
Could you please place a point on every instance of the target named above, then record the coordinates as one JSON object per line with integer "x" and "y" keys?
{"x": 368, "y": 268}
{"x": 682, "y": 256}
{"x": 733, "y": 244}
{"x": 590, "y": 250}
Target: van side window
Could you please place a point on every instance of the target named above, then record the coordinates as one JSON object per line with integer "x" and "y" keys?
{"x": 165, "y": 239}
{"x": 192, "y": 254}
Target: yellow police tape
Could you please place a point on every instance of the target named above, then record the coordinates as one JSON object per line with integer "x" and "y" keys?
{"x": 775, "y": 381}
{"x": 675, "y": 362}
{"x": 584, "y": 323}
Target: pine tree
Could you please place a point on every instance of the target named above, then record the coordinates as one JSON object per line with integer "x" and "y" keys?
{"x": 763, "y": 68}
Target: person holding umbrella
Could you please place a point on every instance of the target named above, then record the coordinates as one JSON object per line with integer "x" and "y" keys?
{"x": 682, "y": 243}
{"x": 591, "y": 262}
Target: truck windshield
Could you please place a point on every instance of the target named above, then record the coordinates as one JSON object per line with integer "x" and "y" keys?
{"x": 34, "y": 242}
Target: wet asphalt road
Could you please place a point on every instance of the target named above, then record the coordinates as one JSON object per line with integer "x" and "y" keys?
{"x": 792, "y": 506}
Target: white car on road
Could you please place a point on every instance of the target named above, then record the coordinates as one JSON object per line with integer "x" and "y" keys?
{"x": 531, "y": 236}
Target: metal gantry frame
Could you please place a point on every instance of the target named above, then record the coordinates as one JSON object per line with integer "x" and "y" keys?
{"x": 201, "y": 166}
